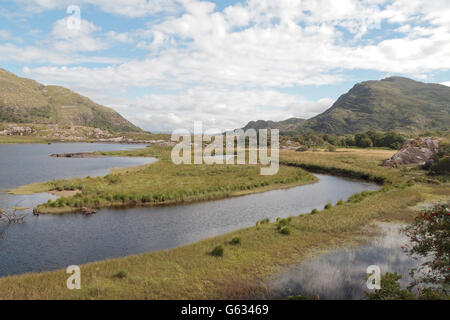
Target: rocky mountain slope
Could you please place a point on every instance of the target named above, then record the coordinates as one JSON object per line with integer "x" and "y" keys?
{"x": 27, "y": 101}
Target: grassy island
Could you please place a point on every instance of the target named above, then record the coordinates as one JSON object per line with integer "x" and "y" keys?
{"x": 163, "y": 183}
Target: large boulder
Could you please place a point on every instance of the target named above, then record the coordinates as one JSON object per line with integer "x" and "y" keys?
{"x": 414, "y": 151}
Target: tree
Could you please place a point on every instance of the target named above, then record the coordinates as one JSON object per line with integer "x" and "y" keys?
{"x": 429, "y": 237}
{"x": 363, "y": 140}
{"x": 392, "y": 140}
{"x": 376, "y": 137}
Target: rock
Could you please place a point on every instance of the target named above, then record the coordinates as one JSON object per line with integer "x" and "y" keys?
{"x": 76, "y": 155}
{"x": 18, "y": 131}
{"x": 414, "y": 151}
{"x": 88, "y": 211}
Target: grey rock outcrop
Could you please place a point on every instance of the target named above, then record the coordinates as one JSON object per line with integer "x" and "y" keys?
{"x": 414, "y": 151}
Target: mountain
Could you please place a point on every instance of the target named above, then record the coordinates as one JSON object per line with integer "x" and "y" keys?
{"x": 289, "y": 124}
{"x": 394, "y": 103}
{"x": 27, "y": 101}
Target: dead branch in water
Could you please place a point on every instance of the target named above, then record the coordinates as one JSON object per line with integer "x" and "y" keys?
{"x": 12, "y": 218}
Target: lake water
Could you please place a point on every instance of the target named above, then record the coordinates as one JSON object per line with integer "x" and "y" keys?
{"x": 341, "y": 274}
{"x": 50, "y": 242}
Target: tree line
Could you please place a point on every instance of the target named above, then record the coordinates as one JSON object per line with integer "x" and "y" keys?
{"x": 369, "y": 139}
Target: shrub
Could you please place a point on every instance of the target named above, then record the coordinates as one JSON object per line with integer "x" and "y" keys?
{"x": 302, "y": 149}
{"x": 285, "y": 230}
{"x": 441, "y": 166}
{"x": 328, "y": 206}
{"x": 314, "y": 211}
{"x": 282, "y": 223}
{"x": 112, "y": 178}
{"x": 120, "y": 275}
{"x": 236, "y": 240}
{"x": 218, "y": 251}
{"x": 331, "y": 148}
{"x": 339, "y": 203}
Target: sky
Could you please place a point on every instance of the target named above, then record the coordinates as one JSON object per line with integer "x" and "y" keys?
{"x": 164, "y": 64}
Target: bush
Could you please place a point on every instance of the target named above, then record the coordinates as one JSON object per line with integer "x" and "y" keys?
{"x": 282, "y": 223}
{"x": 302, "y": 149}
{"x": 339, "y": 203}
{"x": 120, "y": 275}
{"x": 442, "y": 166}
{"x": 236, "y": 240}
{"x": 328, "y": 206}
{"x": 218, "y": 251}
{"x": 314, "y": 211}
{"x": 331, "y": 148}
{"x": 285, "y": 230}
{"x": 390, "y": 289}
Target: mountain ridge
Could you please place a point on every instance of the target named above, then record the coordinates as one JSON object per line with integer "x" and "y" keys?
{"x": 391, "y": 104}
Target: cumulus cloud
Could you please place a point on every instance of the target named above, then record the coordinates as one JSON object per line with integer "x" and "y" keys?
{"x": 235, "y": 60}
{"x": 217, "y": 109}
{"x": 276, "y": 44}
{"x": 64, "y": 38}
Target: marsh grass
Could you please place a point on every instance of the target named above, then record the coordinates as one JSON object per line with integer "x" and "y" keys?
{"x": 189, "y": 273}
{"x": 163, "y": 182}
{"x": 236, "y": 241}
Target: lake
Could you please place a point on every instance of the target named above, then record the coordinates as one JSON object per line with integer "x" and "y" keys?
{"x": 341, "y": 274}
{"x": 51, "y": 242}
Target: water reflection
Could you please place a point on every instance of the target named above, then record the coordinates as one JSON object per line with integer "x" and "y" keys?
{"x": 341, "y": 274}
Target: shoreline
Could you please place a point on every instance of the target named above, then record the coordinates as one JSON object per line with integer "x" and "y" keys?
{"x": 121, "y": 205}
{"x": 195, "y": 256}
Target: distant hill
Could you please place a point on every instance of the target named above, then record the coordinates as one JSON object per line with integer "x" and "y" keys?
{"x": 289, "y": 124}
{"x": 394, "y": 103}
{"x": 27, "y": 101}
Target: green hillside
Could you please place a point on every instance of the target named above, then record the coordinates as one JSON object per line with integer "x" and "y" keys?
{"x": 395, "y": 103}
{"x": 27, "y": 101}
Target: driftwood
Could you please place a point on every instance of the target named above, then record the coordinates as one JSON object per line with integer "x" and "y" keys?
{"x": 11, "y": 218}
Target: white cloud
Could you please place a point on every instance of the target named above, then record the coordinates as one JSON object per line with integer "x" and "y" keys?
{"x": 10, "y": 52}
{"x": 447, "y": 83}
{"x": 76, "y": 39}
{"x": 128, "y": 8}
{"x": 242, "y": 55}
{"x": 215, "y": 108}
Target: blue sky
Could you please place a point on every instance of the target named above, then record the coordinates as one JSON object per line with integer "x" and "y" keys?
{"x": 165, "y": 63}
